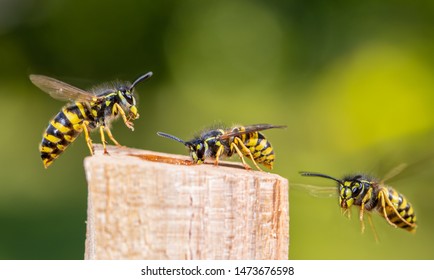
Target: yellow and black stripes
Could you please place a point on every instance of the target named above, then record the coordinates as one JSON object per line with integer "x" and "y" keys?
{"x": 371, "y": 195}
{"x": 89, "y": 110}
{"x": 62, "y": 131}
{"x": 246, "y": 141}
{"x": 396, "y": 209}
{"x": 79, "y": 116}
{"x": 259, "y": 147}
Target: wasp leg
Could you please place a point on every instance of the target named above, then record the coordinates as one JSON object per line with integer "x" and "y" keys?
{"x": 362, "y": 222}
{"x": 240, "y": 154}
{"x": 385, "y": 200}
{"x": 346, "y": 212}
{"x": 218, "y": 154}
{"x": 110, "y": 135}
{"x": 377, "y": 240}
{"x": 367, "y": 196}
{"x": 87, "y": 137}
{"x": 124, "y": 117}
{"x": 237, "y": 141}
{"x": 101, "y": 131}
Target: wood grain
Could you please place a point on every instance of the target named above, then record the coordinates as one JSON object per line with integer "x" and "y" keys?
{"x": 148, "y": 205}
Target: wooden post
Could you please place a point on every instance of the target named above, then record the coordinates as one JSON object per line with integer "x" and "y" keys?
{"x": 148, "y": 205}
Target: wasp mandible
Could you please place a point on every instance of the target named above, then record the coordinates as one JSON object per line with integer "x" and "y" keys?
{"x": 88, "y": 110}
{"x": 243, "y": 140}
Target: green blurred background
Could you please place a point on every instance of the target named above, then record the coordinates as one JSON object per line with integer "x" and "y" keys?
{"x": 353, "y": 80}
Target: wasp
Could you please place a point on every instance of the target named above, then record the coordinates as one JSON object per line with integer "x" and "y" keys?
{"x": 86, "y": 111}
{"x": 371, "y": 194}
{"x": 243, "y": 140}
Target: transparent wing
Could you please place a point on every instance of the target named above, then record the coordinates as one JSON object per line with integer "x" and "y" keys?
{"x": 60, "y": 90}
{"x": 251, "y": 128}
{"x": 317, "y": 191}
{"x": 394, "y": 172}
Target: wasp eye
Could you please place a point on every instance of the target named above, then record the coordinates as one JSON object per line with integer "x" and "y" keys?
{"x": 357, "y": 189}
{"x": 197, "y": 153}
{"x": 130, "y": 98}
{"x": 122, "y": 89}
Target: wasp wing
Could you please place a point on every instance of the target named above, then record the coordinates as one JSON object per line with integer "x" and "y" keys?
{"x": 394, "y": 172}
{"x": 60, "y": 90}
{"x": 317, "y": 191}
{"x": 249, "y": 129}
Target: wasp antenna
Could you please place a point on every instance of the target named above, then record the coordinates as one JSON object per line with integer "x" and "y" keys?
{"x": 162, "y": 134}
{"x": 140, "y": 79}
{"x": 313, "y": 174}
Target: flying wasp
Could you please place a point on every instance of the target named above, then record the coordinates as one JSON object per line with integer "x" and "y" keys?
{"x": 88, "y": 110}
{"x": 370, "y": 195}
{"x": 243, "y": 140}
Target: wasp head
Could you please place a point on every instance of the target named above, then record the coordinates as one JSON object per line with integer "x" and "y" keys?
{"x": 197, "y": 147}
{"x": 198, "y": 150}
{"x": 128, "y": 102}
{"x": 352, "y": 189}
{"x": 345, "y": 188}
{"x": 127, "y": 98}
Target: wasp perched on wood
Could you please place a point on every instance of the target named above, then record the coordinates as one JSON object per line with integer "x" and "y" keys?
{"x": 88, "y": 110}
{"x": 371, "y": 194}
{"x": 243, "y": 140}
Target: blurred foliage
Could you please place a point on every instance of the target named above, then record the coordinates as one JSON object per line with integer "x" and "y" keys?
{"x": 353, "y": 80}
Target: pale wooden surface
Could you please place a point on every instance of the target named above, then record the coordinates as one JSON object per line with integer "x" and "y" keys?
{"x": 145, "y": 209}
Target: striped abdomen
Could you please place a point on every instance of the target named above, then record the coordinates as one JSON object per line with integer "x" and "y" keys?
{"x": 260, "y": 148}
{"x": 404, "y": 209}
{"x": 62, "y": 131}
